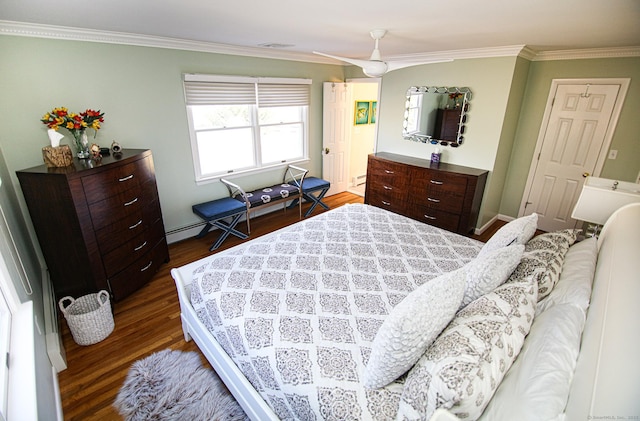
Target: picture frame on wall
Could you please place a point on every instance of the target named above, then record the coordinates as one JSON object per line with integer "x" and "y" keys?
{"x": 373, "y": 111}
{"x": 361, "y": 113}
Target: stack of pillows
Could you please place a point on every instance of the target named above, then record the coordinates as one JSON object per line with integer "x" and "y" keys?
{"x": 458, "y": 334}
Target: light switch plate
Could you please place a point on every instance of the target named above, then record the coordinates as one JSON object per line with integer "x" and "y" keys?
{"x": 613, "y": 154}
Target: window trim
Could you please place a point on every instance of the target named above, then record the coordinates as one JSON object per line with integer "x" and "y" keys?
{"x": 204, "y": 179}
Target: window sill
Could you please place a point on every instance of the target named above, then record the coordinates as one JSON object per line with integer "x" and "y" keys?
{"x": 235, "y": 174}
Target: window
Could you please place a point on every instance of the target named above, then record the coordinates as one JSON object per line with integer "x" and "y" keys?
{"x": 240, "y": 124}
{"x": 412, "y": 120}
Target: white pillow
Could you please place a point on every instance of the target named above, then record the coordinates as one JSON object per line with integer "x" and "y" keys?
{"x": 537, "y": 385}
{"x": 412, "y": 326}
{"x": 576, "y": 278}
{"x": 518, "y": 231}
{"x": 487, "y": 272}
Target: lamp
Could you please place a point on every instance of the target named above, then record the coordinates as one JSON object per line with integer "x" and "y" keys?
{"x": 601, "y": 197}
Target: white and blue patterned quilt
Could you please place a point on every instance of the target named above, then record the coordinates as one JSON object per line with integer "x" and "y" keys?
{"x": 298, "y": 309}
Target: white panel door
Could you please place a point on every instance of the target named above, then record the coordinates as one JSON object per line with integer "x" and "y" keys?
{"x": 335, "y": 132}
{"x": 572, "y": 143}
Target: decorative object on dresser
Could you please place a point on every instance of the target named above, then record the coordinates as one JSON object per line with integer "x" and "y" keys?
{"x": 99, "y": 226}
{"x": 76, "y": 124}
{"x": 447, "y": 196}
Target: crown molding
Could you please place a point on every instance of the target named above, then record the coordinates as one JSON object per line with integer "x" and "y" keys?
{"x": 613, "y": 52}
{"x": 109, "y": 37}
{"x": 505, "y": 51}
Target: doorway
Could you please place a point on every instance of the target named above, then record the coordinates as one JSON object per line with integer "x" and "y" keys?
{"x": 575, "y": 134}
{"x": 348, "y": 141}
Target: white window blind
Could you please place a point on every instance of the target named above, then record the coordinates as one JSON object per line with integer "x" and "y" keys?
{"x": 211, "y": 93}
{"x": 240, "y": 124}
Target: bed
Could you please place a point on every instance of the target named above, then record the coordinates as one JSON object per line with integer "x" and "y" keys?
{"x": 360, "y": 313}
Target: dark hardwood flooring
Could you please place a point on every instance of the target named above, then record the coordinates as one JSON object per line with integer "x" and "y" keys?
{"x": 149, "y": 321}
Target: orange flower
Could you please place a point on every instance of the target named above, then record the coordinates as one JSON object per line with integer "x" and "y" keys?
{"x": 74, "y": 122}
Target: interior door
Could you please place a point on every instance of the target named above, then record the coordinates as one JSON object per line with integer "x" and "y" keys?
{"x": 574, "y": 141}
{"x": 335, "y": 133}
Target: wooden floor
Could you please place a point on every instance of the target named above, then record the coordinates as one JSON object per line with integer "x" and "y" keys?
{"x": 149, "y": 321}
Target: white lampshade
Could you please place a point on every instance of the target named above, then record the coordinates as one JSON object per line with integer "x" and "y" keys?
{"x": 601, "y": 197}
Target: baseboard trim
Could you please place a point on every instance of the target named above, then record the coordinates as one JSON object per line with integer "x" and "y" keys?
{"x": 498, "y": 217}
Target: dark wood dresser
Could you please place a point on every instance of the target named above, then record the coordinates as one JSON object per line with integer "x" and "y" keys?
{"x": 445, "y": 195}
{"x": 99, "y": 223}
{"x": 447, "y": 123}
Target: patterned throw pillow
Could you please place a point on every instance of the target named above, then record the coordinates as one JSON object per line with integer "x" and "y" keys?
{"x": 576, "y": 279}
{"x": 463, "y": 367}
{"x": 485, "y": 273}
{"x": 518, "y": 231}
{"x": 543, "y": 258}
{"x": 412, "y": 326}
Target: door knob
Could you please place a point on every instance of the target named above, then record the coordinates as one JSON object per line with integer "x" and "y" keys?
{"x": 585, "y": 174}
{"x": 326, "y": 151}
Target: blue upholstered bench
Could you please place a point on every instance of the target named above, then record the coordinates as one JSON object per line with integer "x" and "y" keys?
{"x": 215, "y": 212}
{"x": 311, "y": 185}
{"x": 289, "y": 189}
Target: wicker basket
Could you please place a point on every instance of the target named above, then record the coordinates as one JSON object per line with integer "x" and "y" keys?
{"x": 89, "y": 317}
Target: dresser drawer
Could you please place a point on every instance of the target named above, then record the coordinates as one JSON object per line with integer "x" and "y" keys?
{"x": 438, "y": 191}
{"x": 445, "y": 220}
{"x": 122, "y": 204}
{"x": 438, "y": 180}
{"x": 138, "y": 273}
{"x": 108, "y": 183}
{"x": 130, "y": 251}
{"x": 438, "y": 198}
{"x": 126, "y": 228}
{"x": 387, "y": 202}
{"x": 387, "y": 173}
{"x": 387, "y": 192}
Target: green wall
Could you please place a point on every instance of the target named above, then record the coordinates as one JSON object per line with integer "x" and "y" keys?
{"x": 626, "y": 138}
{"x": 140, "y": 90}
{"x": 491, "y": 118}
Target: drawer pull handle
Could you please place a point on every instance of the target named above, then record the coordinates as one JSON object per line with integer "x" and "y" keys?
{"x": 129, "y": 177}
{"x": 146, "y": 267}
{"x": 386, "y": 203}
{"x": 387, "y": 188}
{"x": 430, "y": 217}
{"x": 135, "y": 225}
{"x": 389, "y": 172}
{"x": 436, "y": 182}
{"x": 131, "y": 202}
{"x": 433, "y": 200}
{"x": 140, "y": 246}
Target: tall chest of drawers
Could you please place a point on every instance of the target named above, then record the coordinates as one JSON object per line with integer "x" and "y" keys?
{"x": 447, "y": 196}
{"x": 99, "y": 223}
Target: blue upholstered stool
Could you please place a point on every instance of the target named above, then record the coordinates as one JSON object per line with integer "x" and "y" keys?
{"x": 215, "y": 212}
{"x": 311, "y": 185}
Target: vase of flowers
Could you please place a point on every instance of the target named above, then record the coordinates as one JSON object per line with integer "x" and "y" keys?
{"x": 455, "y": 97}
{"x": 76, "y": 124}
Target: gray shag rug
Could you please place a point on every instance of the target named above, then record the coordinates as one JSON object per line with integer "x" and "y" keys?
{"x": 173, "y": 385}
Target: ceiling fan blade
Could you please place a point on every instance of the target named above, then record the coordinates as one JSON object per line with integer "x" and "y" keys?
{"x": 354, "y": 61}
{"x": 395, "y": 65}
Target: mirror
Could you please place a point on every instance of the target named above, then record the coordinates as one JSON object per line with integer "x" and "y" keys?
{"x": 436, "y": 115}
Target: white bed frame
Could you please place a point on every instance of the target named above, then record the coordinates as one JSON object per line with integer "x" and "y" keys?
{"x": 607, "y": 377}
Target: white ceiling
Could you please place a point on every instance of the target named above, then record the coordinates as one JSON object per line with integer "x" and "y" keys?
{"x": 342, "y": 28}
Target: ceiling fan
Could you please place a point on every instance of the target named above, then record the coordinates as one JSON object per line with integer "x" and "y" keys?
{"x": 375, "y": 67}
